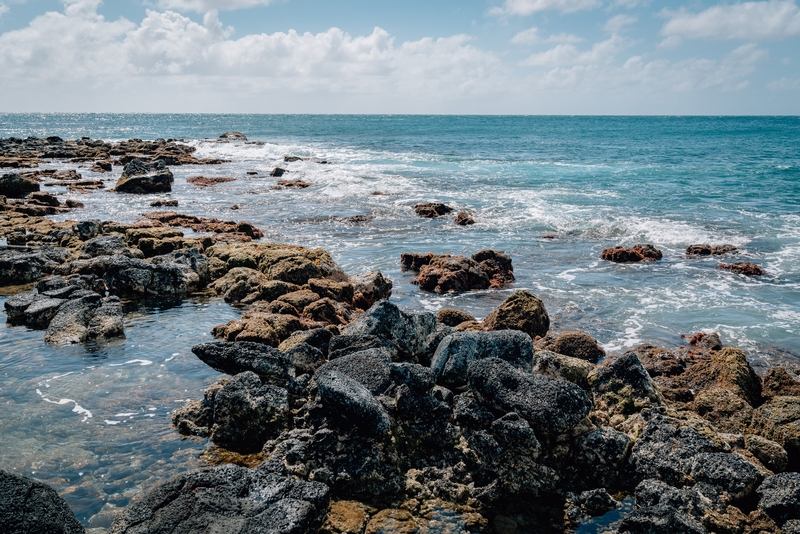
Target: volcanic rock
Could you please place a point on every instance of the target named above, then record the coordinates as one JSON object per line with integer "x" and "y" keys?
{"x": 631, "y": 255}
{"x": 142, "y": 178}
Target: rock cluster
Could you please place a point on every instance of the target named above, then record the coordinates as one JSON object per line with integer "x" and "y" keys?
{"x": 635, "y": 254}
{"x": 709, "y": 250}
{"x": 432, "y": 210}
{"x": 399, "y": 414}
{"x": 742, "y": 267}
{"x": 443, "y": 273}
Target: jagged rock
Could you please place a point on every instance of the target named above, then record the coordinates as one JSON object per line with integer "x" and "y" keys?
{"x": 228, "y": 498}
{"x": 554, "y": 365}
{"x": 779, "y": 420}
{"x": 742, "y": 267}
{"x": 432, "y": 210}
{"x": 369, "y": 288}
{"x": 552, "y": 406}
{"x": 246, "y": 285}
{"x": 319, "y": 338}
{"x": 601, "y": 456}
{"x": 769, "y": 453}
{"x": 446, "y": 273}
{"x": 370, "y": 368}
{"x": 86, "y": 318}
{"x": 708, "y": 250}
{"x": 87, "y": 229}
{"x": 261, "y": 326}
{"x": 631, "y": 255}
{"x": 28, "y": 506}
{"x": 25, "y": 266}
{"x": 349, "y": 404}
{"x": 726, "y": 472}
{"x": 142, "y": 178}
{"x": 45, "y": 199}
{"x": 299, "y": 299}
{"x": 277, "y": 172}
{"x": 575, "y": 344}
{"x": 457, "y": 351}
{"x": 270, "y": 364}
{"x": 108, "y": 245}
{"x": 464, "y": 218}
{"x": 452, "y": 317}
{"x": 729, "y": 370}
{"x": 17, "y": 186}
{"x": 348, "y": 344}
{"x": 780, "y": 382}
{"x": 233, "y": 136}
{"x": 338, "y": 291}
{"x": 780, "y": 497}
{"x": 657, "y": 512}
{"x": 622, "y": 386}
{"x": 306, "y": 358}
{"x": 520, "y": 311}
{"x": 415, "y": 334}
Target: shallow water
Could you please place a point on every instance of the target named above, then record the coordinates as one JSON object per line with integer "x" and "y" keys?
{"x": 591, "y": 182}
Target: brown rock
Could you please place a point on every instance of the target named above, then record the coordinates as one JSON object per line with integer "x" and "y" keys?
{"x": 469, "y": 326}
{"x": 324, "y": 311}
{"x": 706, "y": 341}
{"x": 369, "y": 288}
{"x": 260, "y": 326}
{"x": 394, "y": 521}
{"x": 345, "y": 517}
{"x": 779, "y": 421}
{"x": 464, "y": 218}
{"x": 575, "y": 344}
{"x": 728, "y": 369}
{"x": 432, "y": 210}
{"x": 779, "y": 382}
{"x": 769, "y": 453}
{"x": 497, "y": 267}
{"x": 453, "y": 317}
{"x": 164, "y": 203}
{"x": 520, "y": 311}
{"x": 708, "y": 250}
{"x": 338, "y": 291}
{"x": 631, "y": 255}
{"x": 742, "y": 267}
{"x": 445, "y": 273}
{"x": 300, "y": 299}
{"x": 203, "y": 181}
{"x": 102, "y": 166}
{"x": 724, "y": 409}
{"x": 294, "y": 184}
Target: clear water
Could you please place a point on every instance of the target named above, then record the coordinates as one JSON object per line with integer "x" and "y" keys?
{"x": 592, "y": 182}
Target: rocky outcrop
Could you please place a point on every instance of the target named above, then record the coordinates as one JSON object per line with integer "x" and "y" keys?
{"x": 742, "y": 267}
{"x": 17, "y": 186}
{"x": 575, "y": 344}
{"x": 143, "y": 178}
{"x": 448, "y": 274}
{"x": 227, "y": 499}
{"x": 22, "y": 266}
{"x": 635, "y": 254}
{"x": 709, "y": 250}
{"x": 432, "y": 210}
{"x": 520, "y": 311}
{"x": 233, "y": 136}
{"x": 28, "y": 506}
{"x": 464, "y": 218}
{"x": 453, "y": 317}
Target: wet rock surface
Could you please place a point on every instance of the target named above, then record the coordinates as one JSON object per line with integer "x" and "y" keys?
{"x": 28, "y": 506}
{"x": 142, "y": 178}
{"x": 448, "y": 274}
{"x": 743, "y": 267}
{"x": 432, "y": 210}
{"x": 635, "y": 254}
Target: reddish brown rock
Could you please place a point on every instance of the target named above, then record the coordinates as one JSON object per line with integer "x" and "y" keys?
{"x": 446, "y": 274}
{"x": 780, "y": 382}
{"x": 575, "y": 344}
{"x": 293, "y": 184}
{"x": 203, "y": 181}
{"x": 742, "y": 267}
{"x": 453, "y": 317}
{"x": 203, "y": 224}
{"x": 631, "y": 255}
{"x": 432, "y": 210}
{"x": 464, "y": 218}
{"x": 708, "y": 250}
{"x": 102, "y": 166}
{"x": 521, "y": 311}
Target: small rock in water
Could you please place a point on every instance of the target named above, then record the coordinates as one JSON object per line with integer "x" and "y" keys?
{"x": 293, "y": 184}
{"x": 464, "y": 218}
{"x": 708, "y": 250}
{"x": 235, "y": 207}
{"x": 631, "y": 255}
{"x": 432, "y": 210}
{"x": 141, "y": 178}
{"x": 278, "y": 172}
{"x": 233, "y": 136}
{"x": 203, "y": 181}
{"x": 164, "y": 203}
{"x": 292, "y": 159}
{"x": 742, "y": 267}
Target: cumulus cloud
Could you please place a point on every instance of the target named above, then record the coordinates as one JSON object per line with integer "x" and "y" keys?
{"x": 775, "y": 19}
{"x": 529, "y": 7}
{"x": 531, "y": 36}
{"x": 202, "y": 6}
{"x": 3, "y": 9}
{"x": 615, "y": 24}
{"x": 568, "y": 54}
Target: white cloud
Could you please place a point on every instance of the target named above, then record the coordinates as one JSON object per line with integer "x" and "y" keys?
{"x": 529, "y": 7}
{"x": 531, "y": 36}
{"x": 615, "y": 24}
{"x": 202, "y": 6}
{"x": 3, "y": 9}
{"x": 775, "y": 19}
{"x": 784, "y": 84}
{"x": 568, "y": 54}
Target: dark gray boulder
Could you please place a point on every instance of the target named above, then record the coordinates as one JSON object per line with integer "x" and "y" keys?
{"x": 232, "y": 358}
{"x": 416, "y": 335}
{"x": 174, "y": 274}
{"x": 780, "y": 497}
{"x": 347, "y": 344}
{"x": 17, "y": 186}
{"x": 305, "y": 358}
{"x": 227, "y": 499}
{"x": 726, "y": 472}
{"x": 550, "y": 405}
{"x": 370, "y": 368}
{"x": 601, "y": 457}
{"x": 350, "y": 405}
{"x": 623, "y": 386}
{"x": 108, "y": 245}
{"x": 90, "y": 317}
{"x": 86, "y": 230}
{"x": 458, "y": 350}
{"x": 22, "y": 266}
{"x": 28, "y": 506}
{"x": 42, "y": 310}
{"x": 660, "y": 519}
{"x": 142, "y": 178}
{"x": 16, "y": 305}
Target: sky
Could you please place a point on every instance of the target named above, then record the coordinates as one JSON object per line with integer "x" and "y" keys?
{"x": 596, "y": 57}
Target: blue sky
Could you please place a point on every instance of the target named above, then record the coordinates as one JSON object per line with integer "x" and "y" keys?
{"x": 380, "y": 56}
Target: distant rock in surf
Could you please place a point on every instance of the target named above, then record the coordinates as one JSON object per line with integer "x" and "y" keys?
{"x": 142, "y": 178}
{"x": 742, "y": 267}
{"x": 432, "y": 210}
{"x": 233, "y": 136}
{"x": 708, "y": 250}
{"x": 631, "y": 255}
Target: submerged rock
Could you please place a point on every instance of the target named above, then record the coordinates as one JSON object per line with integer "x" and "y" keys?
{"x": 233, "y": 136}
{"x": 227, "y": 499}
{"x": 28, "y": 506}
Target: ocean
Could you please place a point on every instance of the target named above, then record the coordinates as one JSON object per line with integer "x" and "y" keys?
{"x": 551, "y": 192}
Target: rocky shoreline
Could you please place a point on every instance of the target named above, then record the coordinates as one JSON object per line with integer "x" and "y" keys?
{"x": 343, "y": 413}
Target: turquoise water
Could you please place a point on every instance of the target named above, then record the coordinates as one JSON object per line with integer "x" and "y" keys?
{"x": 592, "y": 182}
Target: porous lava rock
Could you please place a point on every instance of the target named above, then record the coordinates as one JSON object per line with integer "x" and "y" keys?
{"x": 575, "y": 344}
{"x": 520, "y": 311}
{"x": 742, "y": 267}
{"x": 432, "y": 210}
{"x": 709, "y": 250}
{"x": 464, "y": 218}
{"x": 17, "y": 186}
{"x": 143, "y": 178}
{"x": 28, "y": 506}
{"x": 453, "y": 317}
{"x": 448, "y": 274}
{"x": 635, "y": 254}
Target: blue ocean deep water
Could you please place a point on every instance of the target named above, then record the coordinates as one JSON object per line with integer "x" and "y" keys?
{"x": 587, "y": 182}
